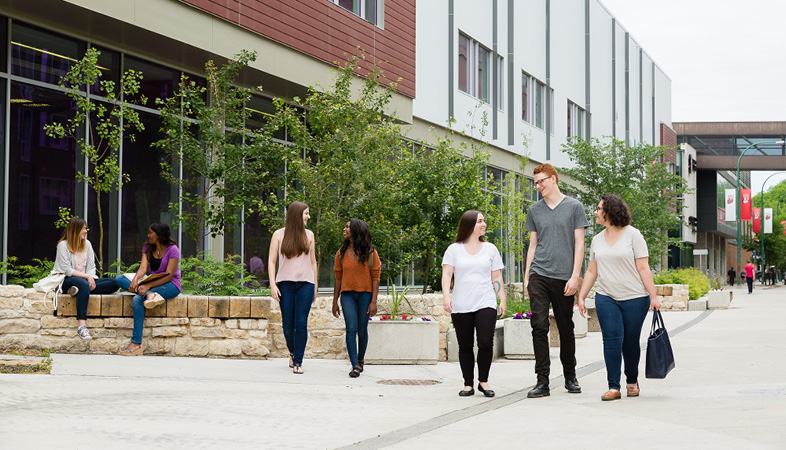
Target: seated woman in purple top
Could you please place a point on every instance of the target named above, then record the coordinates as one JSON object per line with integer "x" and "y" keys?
{"x": 161, "y": 255}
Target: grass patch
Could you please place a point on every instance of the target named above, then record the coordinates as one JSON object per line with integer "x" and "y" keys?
{"x": 26, "y": 365}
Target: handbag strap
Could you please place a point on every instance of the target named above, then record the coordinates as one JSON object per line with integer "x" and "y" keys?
{"x": 657, "y": 320}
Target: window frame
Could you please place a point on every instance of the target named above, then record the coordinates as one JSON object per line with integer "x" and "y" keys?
{"x": 476, "y": 72}
{"x": 361, "y": 8}
{"x": 533, "y": 108}
{"x": 577, "y": 119}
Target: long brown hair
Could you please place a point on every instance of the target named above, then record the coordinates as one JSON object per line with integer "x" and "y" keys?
{"x": 467, "y": 226}
{"x": 71, "y": 235}
{"x": 295, "y": 241}
{"x": 164, "y": 233}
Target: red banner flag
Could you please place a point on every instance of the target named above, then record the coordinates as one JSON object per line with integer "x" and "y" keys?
{"x": 756, "y": 220}
{"x": 783, "y": 222}
{"x": 745, "y": 204}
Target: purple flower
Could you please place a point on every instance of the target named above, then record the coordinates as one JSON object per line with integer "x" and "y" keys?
{"x": 425, "y": 319}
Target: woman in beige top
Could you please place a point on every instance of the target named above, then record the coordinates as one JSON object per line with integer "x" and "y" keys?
{"x": 619, "y": 262}
{"x": 294, "y": 286}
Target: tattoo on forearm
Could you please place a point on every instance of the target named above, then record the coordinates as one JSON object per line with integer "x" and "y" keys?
{"x": 497, "y": 287}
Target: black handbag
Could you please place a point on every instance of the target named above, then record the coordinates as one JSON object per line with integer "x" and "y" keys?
{"x": 660, "y": 358}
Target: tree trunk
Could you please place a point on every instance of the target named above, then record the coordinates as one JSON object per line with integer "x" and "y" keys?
{"x": 100, "y": 258}
{"x": 426, "y": 270}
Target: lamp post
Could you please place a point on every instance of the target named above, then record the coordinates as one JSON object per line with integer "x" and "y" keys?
{"x": 761, "y": 220}
{"x": 778, "y": 208}
{"x": 739, "y": 206}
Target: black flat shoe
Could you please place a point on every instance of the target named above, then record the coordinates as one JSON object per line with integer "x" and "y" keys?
{"x": 486, "y": 392}
{"x": 572, "y": 386}
{"x": 541, "y": 390}
{"x": 355, "y": 372}
{"x": 463, "y": 393}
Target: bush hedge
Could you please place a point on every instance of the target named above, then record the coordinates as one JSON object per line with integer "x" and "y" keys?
{"x": 698, "y": 283}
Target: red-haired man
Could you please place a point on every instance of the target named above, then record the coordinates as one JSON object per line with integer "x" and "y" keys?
{"x": 556, "y": 251}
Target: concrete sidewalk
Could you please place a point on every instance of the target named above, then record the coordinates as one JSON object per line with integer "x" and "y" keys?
{"x": 728, "y": 391}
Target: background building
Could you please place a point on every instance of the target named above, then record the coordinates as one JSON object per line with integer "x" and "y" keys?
{"x": 539, "y": 73}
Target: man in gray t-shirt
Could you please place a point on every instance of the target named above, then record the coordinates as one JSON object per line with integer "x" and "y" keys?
{"x": 556, "y": 251}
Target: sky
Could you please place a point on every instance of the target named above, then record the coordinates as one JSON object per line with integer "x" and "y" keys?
{"x": 726, "y": 58}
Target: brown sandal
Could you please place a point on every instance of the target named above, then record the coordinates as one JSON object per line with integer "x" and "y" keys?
{"x": 128, "y": 352}
{"x": 633, "y": 390}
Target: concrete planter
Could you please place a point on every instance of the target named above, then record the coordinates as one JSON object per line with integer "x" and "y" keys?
{"x": 580, "y": 326}
{"x": 719, "y": 299}
{"x": 498, "y": 343}
{"x": 518, "y": 339}
{"x": 403, "y": 342}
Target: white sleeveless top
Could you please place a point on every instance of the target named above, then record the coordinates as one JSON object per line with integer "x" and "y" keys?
{"x": 294, "y": 269}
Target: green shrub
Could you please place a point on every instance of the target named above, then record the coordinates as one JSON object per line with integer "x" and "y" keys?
{"x": 209, "y": 276}
{"x": 24, "y": 274}
{"x": 697, "y": 282}
{"x": 515, "y": 306}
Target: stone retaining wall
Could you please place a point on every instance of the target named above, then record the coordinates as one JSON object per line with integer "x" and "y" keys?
{"x": 187, "y": 325}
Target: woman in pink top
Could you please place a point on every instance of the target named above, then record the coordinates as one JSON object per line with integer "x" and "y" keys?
{"x": 294, "y": 286}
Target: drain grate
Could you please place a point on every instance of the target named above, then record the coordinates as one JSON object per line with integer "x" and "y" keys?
{"x": 405, "y": 382}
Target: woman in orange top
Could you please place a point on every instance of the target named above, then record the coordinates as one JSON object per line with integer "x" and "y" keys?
{"x": 357, "y": 270}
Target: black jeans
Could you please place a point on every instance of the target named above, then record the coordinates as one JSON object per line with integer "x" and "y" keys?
{"x": 543, "y": 292}
{"x": 483, "y": 320}
{"x": 750, "y": 284}
{"x": 103, "y": 286}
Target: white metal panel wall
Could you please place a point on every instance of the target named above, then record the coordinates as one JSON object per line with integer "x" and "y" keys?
{"x": 568, "y": 73}
{"x": 662, "y": 101}
{"x": 600, "y": 70}
{"x": 619, "y": 85}
{"x": 647, "y": 99}
{"x": 633, "y": 94}
{"x": 530, "y": 48}
{"x": 431, "y": 70}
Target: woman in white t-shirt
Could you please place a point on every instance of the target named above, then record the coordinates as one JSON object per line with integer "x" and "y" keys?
{"x": 619, "y": 262}
{"x": 476, "y": 269}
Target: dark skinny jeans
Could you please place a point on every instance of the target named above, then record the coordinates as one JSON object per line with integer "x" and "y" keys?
{"x": 544, "y": 291}
{"x": 620, "y": 323}
{"x": 103, "y": 286}
{"x": 466, "y": 324}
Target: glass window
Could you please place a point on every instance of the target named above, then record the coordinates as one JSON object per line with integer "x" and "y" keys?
{"x": 40, "y": 55}
{"x": 109, "y": 64}
{"x": 474, "y": 68}
{"x": 42, "y": 172}
{"x": 146, "y": 196}
{"x": 463, "y": 63}
{"x": 500, "y": 83}
{"x": 532, "y": 90}
{"x": 3, "y": 44}
{"x": 575, "y": 120}
{"x": 157, "y": 81}
{"x": 370, "y": 10}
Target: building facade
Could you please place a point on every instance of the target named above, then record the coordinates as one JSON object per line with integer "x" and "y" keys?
{"x": 539, "y": 71}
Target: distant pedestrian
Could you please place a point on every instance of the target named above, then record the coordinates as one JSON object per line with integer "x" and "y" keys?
{"x": 75, "y": 259}
{"x": 750, "y": 272}
{"x": 475, "y": 267}
{"x": 294, "y": 286}
{"x": 619, "y": 260}
{"x": 732, "y": 274}
{"x": 556, "y": 252}
{"x": 356, "y": 268}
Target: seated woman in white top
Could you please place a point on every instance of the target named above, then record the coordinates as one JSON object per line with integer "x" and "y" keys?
{"x": 75, "y": 259}
{"x": 476, "y": 268}
{"x": 619, "y": 261}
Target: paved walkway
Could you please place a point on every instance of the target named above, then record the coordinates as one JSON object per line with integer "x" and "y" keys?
{"x": 727, "y": 392}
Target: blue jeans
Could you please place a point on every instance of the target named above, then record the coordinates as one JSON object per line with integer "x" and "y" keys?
{"x": 295, "y": 302}
{"x": 103, "y": 286}
{"x": 355, "y": 305}
{"x": 620, "y": 324}
{"x": 167, "y": 290}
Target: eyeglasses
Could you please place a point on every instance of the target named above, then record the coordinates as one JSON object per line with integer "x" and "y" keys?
{"x": 539, "y": 182}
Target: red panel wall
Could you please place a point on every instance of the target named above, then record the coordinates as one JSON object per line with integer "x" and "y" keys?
{"x": 328, "y": 32}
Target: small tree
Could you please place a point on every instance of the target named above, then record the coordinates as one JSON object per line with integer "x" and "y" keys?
{"x": 229, "y": 170}
{"x": 509, "y": 216}
{"x": 106, "y": 120}
{"x": 640, "y": 176}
